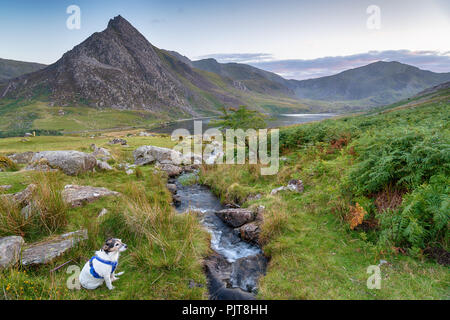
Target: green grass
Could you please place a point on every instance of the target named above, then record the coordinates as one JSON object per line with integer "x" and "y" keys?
{"x": 313, "y": 252}
{"x": 38, "y": 114}
{"x": 166, "y": 249}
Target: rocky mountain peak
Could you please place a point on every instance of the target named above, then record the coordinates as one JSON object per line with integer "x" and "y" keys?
{"x": 121, "y": 25}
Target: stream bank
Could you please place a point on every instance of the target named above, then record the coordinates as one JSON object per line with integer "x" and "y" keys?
{"x": 235, "y": 266}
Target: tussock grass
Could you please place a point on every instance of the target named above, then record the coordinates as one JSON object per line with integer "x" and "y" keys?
{"x": 48, "y": 208}
{"x": 12, "y": 221}
{"x": 46, "y": 213}
{"x": 166, "y": 249}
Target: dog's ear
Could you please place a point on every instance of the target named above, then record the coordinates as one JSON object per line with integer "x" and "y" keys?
{"x": 108, "y": 244}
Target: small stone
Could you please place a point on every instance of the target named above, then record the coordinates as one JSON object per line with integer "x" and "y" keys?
{"x": 172, "y": 187}
{"x": 118, "y": 141}
{"x": 102, "y": 165}
{"x": 103, "y": 212}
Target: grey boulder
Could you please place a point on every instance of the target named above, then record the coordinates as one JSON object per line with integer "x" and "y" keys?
{"x": 70, "y": 162}
{"x": 150, "y": 154}
{"x": 104, "y": 166}
{"x": 10, "y": 250}
{"x": 250, "y": 232}
{"x": 76, "y": 196}
{"x": 22, "y": 158}
{"x": 171, "y": 169}
{"x": 236, "y": 217}
{"x": 100, "y": 153}
{"x": 247, "y": 271}
{"x": 21, "y": 198}
{"x": 47, "y": 251}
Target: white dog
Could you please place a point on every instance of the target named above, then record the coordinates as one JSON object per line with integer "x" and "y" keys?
{"x": 101, "y": 267}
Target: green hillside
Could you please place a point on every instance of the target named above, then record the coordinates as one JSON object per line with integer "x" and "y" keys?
{"x": 376, "y": 193}
{"x": 376, "y": 84}
{"x": 11, "y": 69}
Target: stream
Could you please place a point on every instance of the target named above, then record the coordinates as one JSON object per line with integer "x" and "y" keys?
{"x": 234, "y": 268}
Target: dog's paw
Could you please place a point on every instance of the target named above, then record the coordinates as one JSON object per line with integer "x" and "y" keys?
{"x": 120, "y": 273}
{"x": 111, "y": 288}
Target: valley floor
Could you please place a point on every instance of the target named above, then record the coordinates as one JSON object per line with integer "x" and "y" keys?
{"x": 313, "y": 252}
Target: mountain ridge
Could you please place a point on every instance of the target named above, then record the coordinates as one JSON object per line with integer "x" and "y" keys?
{"x": 10, "y": 69}
{"x": 383, "y": 82}
{"x": 119, "y": 68}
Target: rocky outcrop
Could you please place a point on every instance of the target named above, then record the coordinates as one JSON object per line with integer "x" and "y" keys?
{"x": 22, "y": 158}
{"x": 170, "y": 169}
{"x": 100, "y": 153}
{"x": 22, "y": 198}
{"x": 250, "y": 232}
{"x": 5, "y": 187}
{"x": 104, "y": 166}
{"x": 47, "y": 251}
{"x": 118, "y": 141}
{"x": 218, "y": 271}
{"x": 102, "y": 213}
{"x": 246, "y": 272}
{"x": 236, "y": 217}
{"x": 150, "y": 154}
{"x": 293, "y": 185}
{"x": 10, "y": 250}
{"x": 70, "y": 162}
{"x": 172, "y": 187}
{"x": 76, "y": 196}
{"x": 220, "y": 267}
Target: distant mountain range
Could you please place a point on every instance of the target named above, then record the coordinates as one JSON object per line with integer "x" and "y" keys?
{"x": 10, "y": 69}
{"x": 378, "y": 83}
{"x": 118, "y": 68}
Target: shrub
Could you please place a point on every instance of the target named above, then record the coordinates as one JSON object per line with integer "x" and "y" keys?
{"x": 6, "y": 164}
{"x": 405, "y": 157}
{"x": 139, "y": 174}
{"x": 423, "y": 218}
{"x": 328, "y": 131}
{"x": 356, "y": 216}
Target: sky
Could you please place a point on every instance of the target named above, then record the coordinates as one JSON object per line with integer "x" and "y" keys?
{"x": 294, "y": 38}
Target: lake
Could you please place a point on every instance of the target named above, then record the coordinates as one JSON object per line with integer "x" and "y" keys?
{"x": 273, "y": 122}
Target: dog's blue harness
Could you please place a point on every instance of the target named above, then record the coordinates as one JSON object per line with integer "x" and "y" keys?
{"x": 92, "y": 270}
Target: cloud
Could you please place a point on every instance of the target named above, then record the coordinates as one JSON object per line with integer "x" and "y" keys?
{"x": 305, "y": 69}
